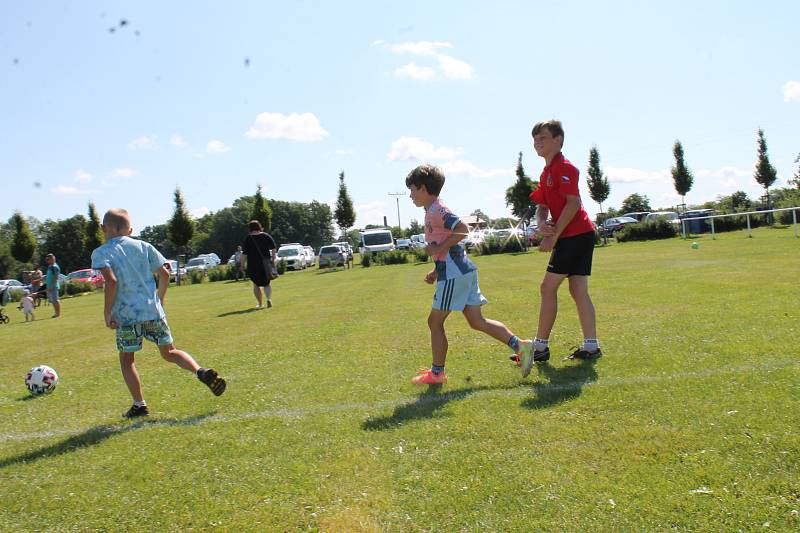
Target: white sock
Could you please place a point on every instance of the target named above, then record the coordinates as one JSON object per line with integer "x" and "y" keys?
{"x": 140, "y": 404}
{"x": 540, "y": 345}
{"x": 590, "y": 345}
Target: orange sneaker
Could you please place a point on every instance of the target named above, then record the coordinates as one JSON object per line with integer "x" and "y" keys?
{"x": 426, "y": 377}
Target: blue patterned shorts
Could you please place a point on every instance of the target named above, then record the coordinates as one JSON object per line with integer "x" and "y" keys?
{"x": 129, "y": 338}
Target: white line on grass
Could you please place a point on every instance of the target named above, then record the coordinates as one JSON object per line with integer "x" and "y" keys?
{"x": 294, "y": 413}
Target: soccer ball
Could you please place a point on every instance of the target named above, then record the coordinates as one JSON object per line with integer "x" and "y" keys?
{"x": 41, "y": 380}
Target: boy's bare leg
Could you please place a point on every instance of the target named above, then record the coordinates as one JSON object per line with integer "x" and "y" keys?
{"x": 438, "y": 336}
{"x": 548, "y": 309}
{"x": 493, "y": 328}
{"x": 268, "y": 294}
{"x": 257, "y": 292}
{"x": 579, "y": 289}
{"x": 178, "y": 357}
{"x": 131, "y": 376}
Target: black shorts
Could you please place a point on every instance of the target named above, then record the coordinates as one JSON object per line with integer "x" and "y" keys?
{"x": 573, "y": 255}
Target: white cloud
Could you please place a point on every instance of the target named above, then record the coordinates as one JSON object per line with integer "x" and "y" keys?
{"x": 295, "y": 127}
{"x": 143, "y": 143}
{"x": 791, "y": 91}
{"x": 81, "y": 176}
{"x": 415, "y": 72}
{"x": 217, "y": 147}
{"x": 122, "y": 172}
{"x": 69, "y": 190}
{"x": 178, "y": 141}
{"x": 372, "y": 213}
{"x": 427, "y": 48}
{"x": 444, "y": 66}
{"x": 414, "y": 148}
{"x": 634, "y": 175}
{"x": 468, "y": 168}
{"x": 200, "y": 212}
{"x": 454, "y": 69}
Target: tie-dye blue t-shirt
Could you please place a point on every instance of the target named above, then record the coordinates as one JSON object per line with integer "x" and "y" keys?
{"x": 133, "y": 263}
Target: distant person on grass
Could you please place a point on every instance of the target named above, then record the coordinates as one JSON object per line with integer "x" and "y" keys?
{"x": 237, "y": 263}
{"x": 456, "y": 277}
{"x": 258, "y": 251}
{"x": 569, "y": 235}
{"x": 134, "y": 305}
{"x": 53, "y": 283}
{"x": 26, "y": 304}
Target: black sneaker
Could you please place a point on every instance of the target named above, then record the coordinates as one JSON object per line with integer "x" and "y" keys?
{"x": 585, "y": 355}
{"x": 136, "y": 411}
{"x": 541, "y": 356}
{"x": 210, "y": 377}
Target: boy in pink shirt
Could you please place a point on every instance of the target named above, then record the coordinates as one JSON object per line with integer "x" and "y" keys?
{"x": 456, "y": 277}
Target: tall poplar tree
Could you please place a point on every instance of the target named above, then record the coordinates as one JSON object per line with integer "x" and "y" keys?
{"x": 180, "y": 227}
{"x": 345, "y": 215}
{"x": 23, "y": 243}
{"x": 681, "y": 175}
{"x": 94, "y": 235}
{"x": 765, "y": 174}
{"x": 261, "y": 210}
{"x": 518, "y": 195}
{"x": 599, "y": 188}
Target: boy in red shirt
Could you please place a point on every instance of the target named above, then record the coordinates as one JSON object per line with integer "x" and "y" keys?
{"x": 570, "y": 236}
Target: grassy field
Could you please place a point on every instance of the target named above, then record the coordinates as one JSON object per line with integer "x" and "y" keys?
{"x": 689, "y": 423}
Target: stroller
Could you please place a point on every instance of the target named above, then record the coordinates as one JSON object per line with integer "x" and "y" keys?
{"x": 4, "y": 299}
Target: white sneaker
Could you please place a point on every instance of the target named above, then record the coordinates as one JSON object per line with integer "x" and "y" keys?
{"x": 526, "y": 357}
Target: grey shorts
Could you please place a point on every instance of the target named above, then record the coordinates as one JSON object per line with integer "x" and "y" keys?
{"x": 129, "y": 338}
{"x": 52, "y": 295}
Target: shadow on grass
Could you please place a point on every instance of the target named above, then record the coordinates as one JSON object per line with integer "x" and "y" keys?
{"x": 564, "y": 384}
{"x": 425, "y": 406}
{"x": 239, "y": 312}
{"x": 96, "y": 435}
{"x": 329, "y": 270}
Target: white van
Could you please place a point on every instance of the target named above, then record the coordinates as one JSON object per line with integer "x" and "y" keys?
{"x": 375, "y": 240}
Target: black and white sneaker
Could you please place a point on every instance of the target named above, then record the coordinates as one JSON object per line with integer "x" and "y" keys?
{"x": 210, "y": 377}
{"x": 585, "y": 355}
{"x": 136, "y": 411}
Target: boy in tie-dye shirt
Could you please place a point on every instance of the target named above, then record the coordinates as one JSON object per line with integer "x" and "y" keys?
{"x": 134, "y": 305}
{"x": 456, "y": 277}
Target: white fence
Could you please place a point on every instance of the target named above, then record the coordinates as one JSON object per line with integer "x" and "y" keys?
{"x": 794, "y": 210}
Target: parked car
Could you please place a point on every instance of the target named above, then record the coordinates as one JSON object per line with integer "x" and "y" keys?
{"x": 201, "y": 262}
{"x": 611, "y": 225}
{"x": 174, "y": 270}
{"x": 670, "y": 216}
{"x": 402, "y": 244}
{"x": 293, "y": 256}
{"x": 347, "y": 249}
{"x": 418, "y": 240}
{"x": 214, "y": 258}
{"x": 13, "y": 286}
{"x": 311, "y": 257}
{"x": 375, "y": 240}
{"x": 638, "y": 215}
{"x": 87, "y": 275}
{"x": 332, "y": 255}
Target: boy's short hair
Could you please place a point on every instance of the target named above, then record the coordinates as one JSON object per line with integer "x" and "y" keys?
{"x": 254, "y": 225}
{"x": 117, "y": 219}
{"x": 430, "y": 176}
{"x": 553, "y": 126}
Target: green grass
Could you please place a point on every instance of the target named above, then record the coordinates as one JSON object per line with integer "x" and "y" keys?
{"x": 689, "y": 423}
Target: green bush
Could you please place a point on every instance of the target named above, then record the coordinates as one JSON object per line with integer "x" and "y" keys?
{"x": 281, "y": 268}
{"x": 493, "y": 245}
{"x": 195, "y": 276}
{"x": 366, "y": 260}
{"x": 77, "y": 287}
{"x": 420, "y": 255}
{"x": 222, "y": 273}
{"x": 395, "y": 257}
{"x": 647, "y": 231}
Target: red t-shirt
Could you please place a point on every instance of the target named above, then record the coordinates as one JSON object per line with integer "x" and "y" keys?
{"x": 559, "y": 179}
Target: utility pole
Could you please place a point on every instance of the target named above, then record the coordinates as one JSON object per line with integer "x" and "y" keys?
{"x": 397, "y": 196}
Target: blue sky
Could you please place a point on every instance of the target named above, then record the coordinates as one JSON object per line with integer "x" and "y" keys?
{"x": 218, "y": 97}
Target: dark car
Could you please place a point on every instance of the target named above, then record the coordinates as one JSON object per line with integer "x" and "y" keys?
{"x": 611, "y": 225}
{"x": 332, "y": 255}
{"x": 638, "y": 215}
